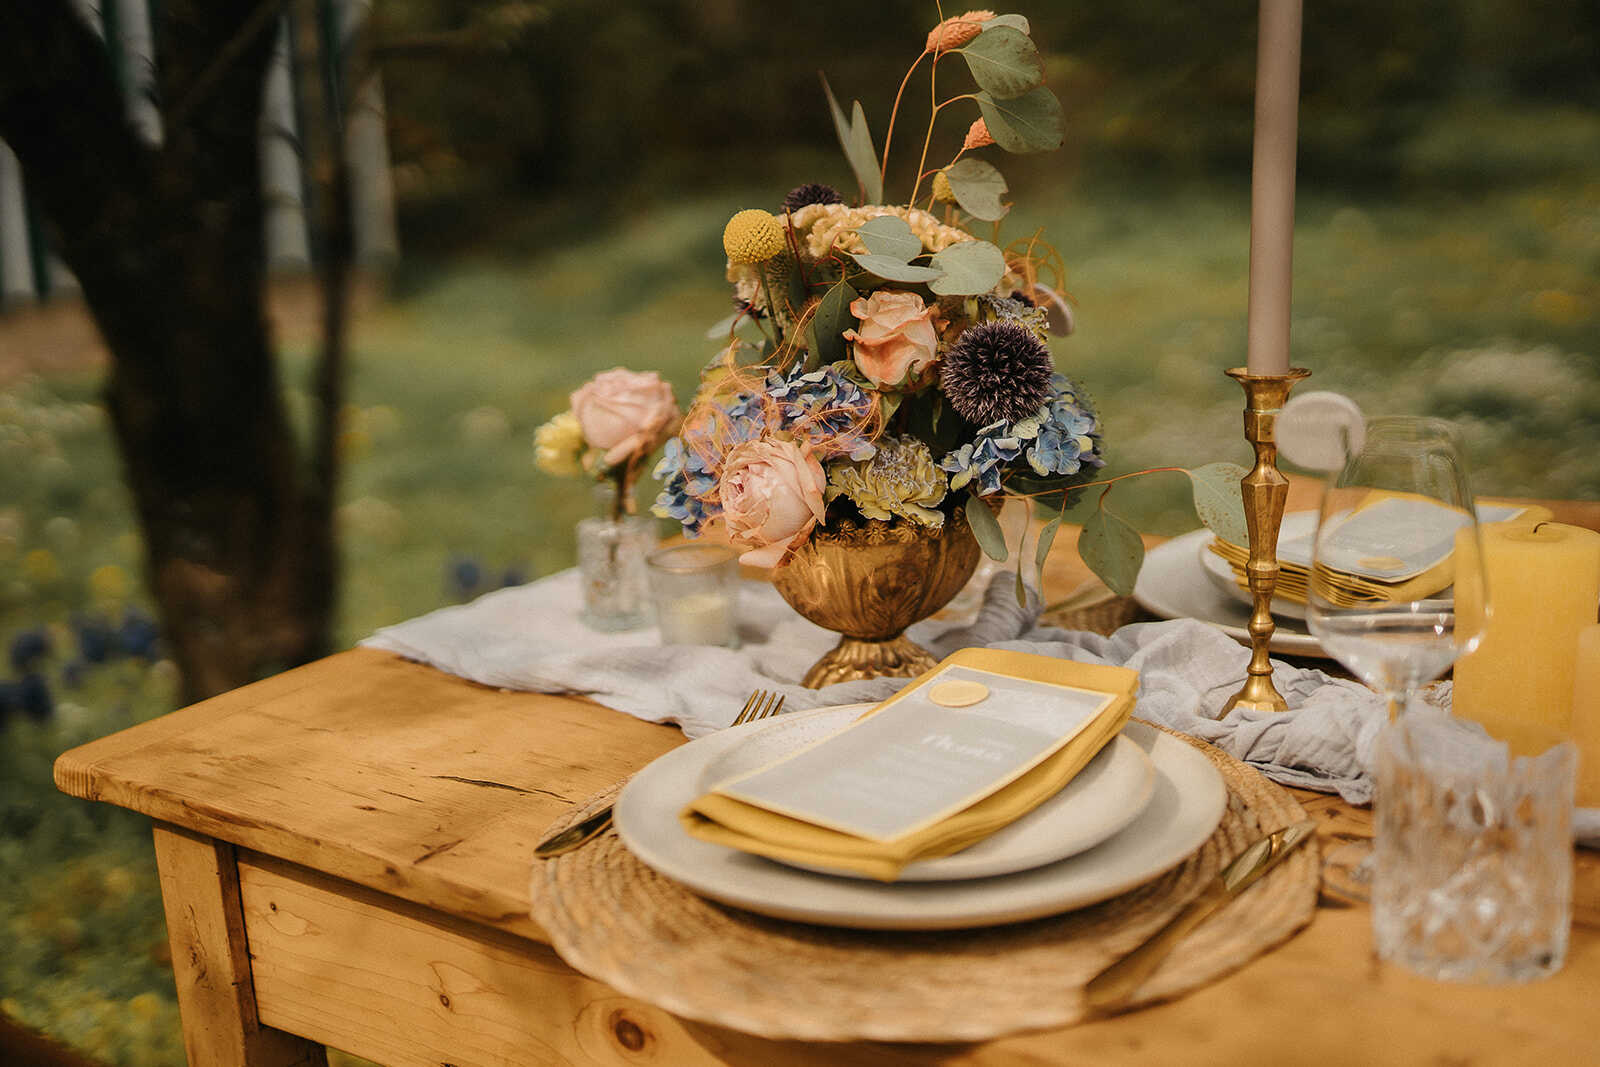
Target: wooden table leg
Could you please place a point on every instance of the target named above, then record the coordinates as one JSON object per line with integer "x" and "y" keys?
{"x": 211, "y": 962}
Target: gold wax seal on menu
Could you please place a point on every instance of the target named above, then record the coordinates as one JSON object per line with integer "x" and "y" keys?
{"x": 958, "y": 694}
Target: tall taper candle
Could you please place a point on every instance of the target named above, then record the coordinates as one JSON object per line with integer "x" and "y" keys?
{"x": 1272, "y": 186}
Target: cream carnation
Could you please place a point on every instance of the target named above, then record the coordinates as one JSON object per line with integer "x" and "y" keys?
{"x": 900, "y": 479}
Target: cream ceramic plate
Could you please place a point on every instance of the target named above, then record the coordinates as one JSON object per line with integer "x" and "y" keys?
{"x": 1108, "y": 794}
{"x": 1173, "y": 585}
{"x": 1184, "y": 809}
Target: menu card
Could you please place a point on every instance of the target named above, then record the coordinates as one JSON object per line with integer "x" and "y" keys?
{"x": 915, "y": 762}
{"x": 966, "y": 749}
{"x": 1393, "y": 540}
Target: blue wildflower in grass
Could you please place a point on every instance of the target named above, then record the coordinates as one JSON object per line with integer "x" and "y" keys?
{"x": 96, "y": 641}
{"x": 982, "y": 459}
{"x": 463, "y": 574}
{"x": 1064, "y": 436}
{"x": 28, "y": 647}
{"x": 139, "y": 636}
{"x": 828, "y": 408}
{"x": 33, "y": 697}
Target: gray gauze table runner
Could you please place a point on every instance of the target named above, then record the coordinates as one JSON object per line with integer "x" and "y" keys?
{"x": 530, "y": 638}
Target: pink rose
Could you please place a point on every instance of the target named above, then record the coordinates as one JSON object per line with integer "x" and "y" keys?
{"x": 771, "y": 498}
{"x": 625, "y": 412}
{"x": 897, "y": 340}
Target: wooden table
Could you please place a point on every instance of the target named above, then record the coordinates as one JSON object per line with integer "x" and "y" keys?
{"x": 344, "y": 853}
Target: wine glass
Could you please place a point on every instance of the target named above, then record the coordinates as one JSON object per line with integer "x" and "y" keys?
{"x": 1383, "y": 559}
{"x": 1384, "y": 573}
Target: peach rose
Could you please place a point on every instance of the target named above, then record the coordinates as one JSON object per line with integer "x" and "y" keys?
{"x": 897, "y": 340}
{"x": 771, "y": 498}
{"x": 624, "y": 412}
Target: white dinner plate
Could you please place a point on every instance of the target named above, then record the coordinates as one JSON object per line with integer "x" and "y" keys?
{"x": 1184, "y": 809}
{"x": 1106, "y": 795}
{"x": 1299, "y": 524}
{"x": 1173, "y": 585}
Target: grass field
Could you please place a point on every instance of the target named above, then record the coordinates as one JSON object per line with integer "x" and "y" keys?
{"x": 1477, "y": 302}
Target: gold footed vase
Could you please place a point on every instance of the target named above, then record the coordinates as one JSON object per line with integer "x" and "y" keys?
{"x": 868, "y": 581}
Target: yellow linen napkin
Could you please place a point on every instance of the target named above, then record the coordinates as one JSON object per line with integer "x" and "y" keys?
{"x": 735, "y": 823}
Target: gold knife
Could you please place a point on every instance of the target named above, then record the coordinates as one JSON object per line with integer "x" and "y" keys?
{"x": 1112, "y": 987}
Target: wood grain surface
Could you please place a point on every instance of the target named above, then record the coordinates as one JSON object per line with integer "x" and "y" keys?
{"x": 384, "y": 816}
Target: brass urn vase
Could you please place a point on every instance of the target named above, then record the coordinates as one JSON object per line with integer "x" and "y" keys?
{"x": 868, "y": 581}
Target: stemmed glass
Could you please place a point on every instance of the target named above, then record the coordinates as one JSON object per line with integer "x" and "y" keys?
{"x": 1388, "y": 527}
{"x": 1396, "y": 538}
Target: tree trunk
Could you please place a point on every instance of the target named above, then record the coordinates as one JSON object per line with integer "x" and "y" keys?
{"x": 167, "y": 244}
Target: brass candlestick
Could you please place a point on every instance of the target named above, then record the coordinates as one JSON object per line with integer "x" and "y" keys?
{"x": 1265, "y": 493}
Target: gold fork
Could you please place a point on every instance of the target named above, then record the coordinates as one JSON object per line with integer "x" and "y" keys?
{"x": 761, "y": 705}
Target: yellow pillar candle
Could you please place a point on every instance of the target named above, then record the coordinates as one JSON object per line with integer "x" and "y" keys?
{"x": 1544, "y": 587}
{"x": 1586, "y": 716}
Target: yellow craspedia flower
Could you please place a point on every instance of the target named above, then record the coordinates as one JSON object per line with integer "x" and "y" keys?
{"x": 941, "y": 188}
{"x": 108, "y": 582}
{"x": 752, "y": 236}
{"x": 558, "y": 444}
{"x": 40, "y": 566}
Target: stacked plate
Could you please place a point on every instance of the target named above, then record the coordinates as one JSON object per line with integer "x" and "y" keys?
{"x": 1183, "y": 579}
{"x": 1138, "y": 809}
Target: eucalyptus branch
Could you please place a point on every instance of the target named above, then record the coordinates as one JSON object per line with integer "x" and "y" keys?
{"x": 894, "y": 113}
{"x": 933, "y": 102}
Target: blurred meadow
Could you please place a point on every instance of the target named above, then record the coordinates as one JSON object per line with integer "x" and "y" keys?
{"x": 559, "y": 217}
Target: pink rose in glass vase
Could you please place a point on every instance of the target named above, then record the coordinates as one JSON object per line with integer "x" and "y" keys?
{"x": 897, "y": 340}
{"x": 625, "y": 413}
{"x": 771, "y": 494}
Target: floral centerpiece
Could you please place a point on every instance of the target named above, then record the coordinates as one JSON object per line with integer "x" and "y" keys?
{"x": 887, "y": 378}
{"x": 614, "y": 422}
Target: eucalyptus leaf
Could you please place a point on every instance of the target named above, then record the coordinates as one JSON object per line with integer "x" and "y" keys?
{"x": 1047, "y": 539}
{"x": 978, "y": 187}
{"x": 966, "y": 268}
{"x": 720, "y": 331}
{"x": 1112, "y": 549}
{"x": 863, "y": 157}
{"x": 889, "y": 235}
{"x": 857, "y": 144}
{"x": 1004, "y": 62}
{"x": 986, "y": 528}
{"x": 895, "y": 270}
{"x": 1219, "y": 500}
{"x": 1031, "y": 122}
{"x": 831, "y": 319}
{"x": 1016, "y": 22}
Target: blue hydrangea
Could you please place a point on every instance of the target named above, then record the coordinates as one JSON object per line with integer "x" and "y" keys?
{"x": 982, "y": 458}
{"x": 1060, "y": 440}
{"x": 687, "y": 476}
{"x": 827, "y": 407}
{"x": 1064, "y": 436}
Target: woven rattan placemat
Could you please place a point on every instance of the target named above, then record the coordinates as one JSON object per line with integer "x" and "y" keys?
{"x": 616, "y": 920}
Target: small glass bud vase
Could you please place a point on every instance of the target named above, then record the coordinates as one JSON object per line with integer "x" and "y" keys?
{"x": 612, "y": 548}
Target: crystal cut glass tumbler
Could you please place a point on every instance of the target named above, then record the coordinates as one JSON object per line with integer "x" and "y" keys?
{"x": 1473, "y": 880}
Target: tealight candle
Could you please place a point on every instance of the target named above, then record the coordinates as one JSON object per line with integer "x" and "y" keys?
{"x": 1544, "y": 588}
{"x": 1586, "y": 716}
{"x": 696, "y": 594}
